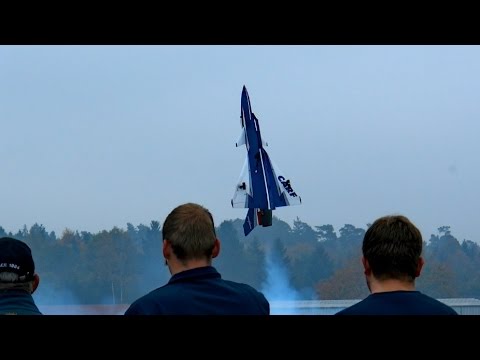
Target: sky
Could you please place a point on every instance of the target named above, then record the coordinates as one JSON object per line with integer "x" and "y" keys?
{"x": 100, "y": 136}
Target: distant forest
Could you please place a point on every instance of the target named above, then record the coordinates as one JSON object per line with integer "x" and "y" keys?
{"x": 119, "y": 265}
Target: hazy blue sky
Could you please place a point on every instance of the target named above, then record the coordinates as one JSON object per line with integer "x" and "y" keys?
{"x": 98, "y": 136}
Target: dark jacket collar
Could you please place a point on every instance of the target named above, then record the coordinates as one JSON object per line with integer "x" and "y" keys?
{"x": 203, "y": 272}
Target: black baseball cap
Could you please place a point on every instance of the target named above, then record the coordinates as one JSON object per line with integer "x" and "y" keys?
{"x": 16, "y": 257}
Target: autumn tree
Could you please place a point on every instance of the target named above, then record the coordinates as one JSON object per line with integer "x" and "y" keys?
{"x": 348, "y": 282}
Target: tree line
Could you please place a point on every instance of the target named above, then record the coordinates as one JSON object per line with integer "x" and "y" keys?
{"x": 119, "y": 265}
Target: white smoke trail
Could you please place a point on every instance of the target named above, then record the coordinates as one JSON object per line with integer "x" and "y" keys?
{"x": 277, "y": 288}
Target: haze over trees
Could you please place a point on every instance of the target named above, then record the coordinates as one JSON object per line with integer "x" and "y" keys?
{"x": 117, "y": 266}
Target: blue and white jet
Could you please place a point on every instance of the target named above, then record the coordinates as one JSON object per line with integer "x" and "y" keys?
{"x": 263, "y": 187}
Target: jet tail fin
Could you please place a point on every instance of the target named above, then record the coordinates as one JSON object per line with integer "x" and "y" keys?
{"x": 250, "y": 221}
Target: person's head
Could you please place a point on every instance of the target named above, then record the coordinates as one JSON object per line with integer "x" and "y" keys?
{"x": 392, "y": 249}
{"x": 17, "y": 268}
{"x": 189, "y": 238}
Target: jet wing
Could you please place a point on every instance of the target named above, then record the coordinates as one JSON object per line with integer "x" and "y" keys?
{"x": 281, "y": 191}
{"x": 285, "y": 193}
{"x": 242, "y": 196}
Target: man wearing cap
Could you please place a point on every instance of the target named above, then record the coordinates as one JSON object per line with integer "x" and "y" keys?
{"x": 18, "y": 279}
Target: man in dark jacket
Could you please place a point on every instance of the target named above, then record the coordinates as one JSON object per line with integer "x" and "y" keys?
{"x": 392, "y": 260}
{"x": 196, "y": 287}
{"x": 18, "y": 279}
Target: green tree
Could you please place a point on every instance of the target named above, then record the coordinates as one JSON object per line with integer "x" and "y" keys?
{"x": 111, "y": 255}
{"x": 311, "y": 268}
{"x": 150, "y": 262}
{"x": 255, "y": 270}
{"x": 326, "y": 233}
{"x": 2, "y": 232}
{"x": 302, "y": 232}
{"x": 445, "y": 253}
{"x": 232, "y": 261}
{"x": 347, "y": 246}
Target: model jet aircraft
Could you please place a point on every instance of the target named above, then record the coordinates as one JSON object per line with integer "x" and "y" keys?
{"x": 262, "y": 187}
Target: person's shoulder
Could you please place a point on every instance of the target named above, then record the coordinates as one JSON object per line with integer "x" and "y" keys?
{"x": 346, "y": 311}
{"x": 251, "y": 295}
{"x": 145, "y": 301}
{"x": 352, "y": 309}
{"x": 436, "y": 304}
{"x": 243, "y": 286}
